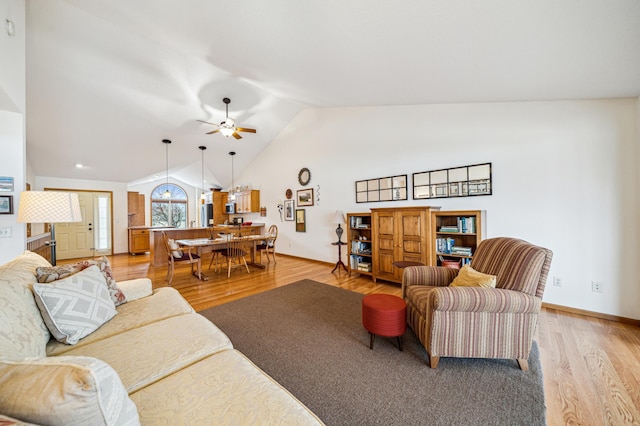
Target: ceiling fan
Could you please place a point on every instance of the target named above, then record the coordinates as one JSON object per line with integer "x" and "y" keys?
{"x": 228, "y": 126}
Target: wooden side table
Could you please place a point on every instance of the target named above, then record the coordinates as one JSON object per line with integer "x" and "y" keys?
{"x": 339, "y": 263}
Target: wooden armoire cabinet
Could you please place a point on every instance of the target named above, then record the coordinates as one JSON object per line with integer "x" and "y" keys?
{"x": 400, "y": 234}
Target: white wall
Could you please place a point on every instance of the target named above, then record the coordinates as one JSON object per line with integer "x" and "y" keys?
{"x": 564, "y": 177}
{"x": 12, "y": 113}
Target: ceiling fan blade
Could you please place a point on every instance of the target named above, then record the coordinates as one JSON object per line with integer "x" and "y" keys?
{"x": 212, "y": 132}
{"x": 206, "y": 122}
{"x": 244, "y": 129}
{"x": 236, "y": 135}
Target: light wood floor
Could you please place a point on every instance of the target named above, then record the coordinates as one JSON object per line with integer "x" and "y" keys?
{"x": 591, "y": 366}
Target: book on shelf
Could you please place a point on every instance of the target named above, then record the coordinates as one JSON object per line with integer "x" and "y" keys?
{"x": 444, "y": 245}
{"x": 449, "y": 229}
{"x": 466, "y": 225}
{"x": 463, "y": 251}
{"x": 364, "y": 266}
{"x": 363, "y": 247}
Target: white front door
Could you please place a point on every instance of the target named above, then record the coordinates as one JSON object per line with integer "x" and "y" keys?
{"x": 91, "y": 236}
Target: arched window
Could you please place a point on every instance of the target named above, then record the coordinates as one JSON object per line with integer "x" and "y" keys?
{"x": 169, "y": 211}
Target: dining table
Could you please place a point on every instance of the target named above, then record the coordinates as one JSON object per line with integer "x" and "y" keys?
{"x": 200, "y": 244}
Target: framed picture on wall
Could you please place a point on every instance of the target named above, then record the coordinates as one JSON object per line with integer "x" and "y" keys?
{"x": 289, "y": 210}
{"x": 6, "y": 184}
{"x": 305, "y": 197}
{"x": 300, "y": 221}
{"x": 6, "y": 204}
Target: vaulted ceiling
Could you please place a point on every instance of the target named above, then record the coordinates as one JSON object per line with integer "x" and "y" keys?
{"x": 108, "y": 80}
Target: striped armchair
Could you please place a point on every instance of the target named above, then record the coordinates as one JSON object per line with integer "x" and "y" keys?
{"x": 478, "y": 322}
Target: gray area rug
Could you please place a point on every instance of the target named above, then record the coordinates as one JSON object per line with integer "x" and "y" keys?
{"x": 309, "y": 337}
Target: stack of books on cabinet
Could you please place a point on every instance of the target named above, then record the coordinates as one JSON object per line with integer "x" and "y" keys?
{"x": 360, "y": 244}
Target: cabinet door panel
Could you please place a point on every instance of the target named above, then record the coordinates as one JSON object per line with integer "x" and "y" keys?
{"x": 411, "y": 225}
{"x": 412, "y": 247}
{"x": 385, "y": 243}
{"x": 386, "y": 225}
{"x": 385, "y": 265}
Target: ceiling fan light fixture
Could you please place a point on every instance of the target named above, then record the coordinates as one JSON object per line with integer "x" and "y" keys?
{"x": 227, "y": 129}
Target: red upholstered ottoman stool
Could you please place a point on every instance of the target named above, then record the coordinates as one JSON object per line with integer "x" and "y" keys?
{"x": 384, "y": 315}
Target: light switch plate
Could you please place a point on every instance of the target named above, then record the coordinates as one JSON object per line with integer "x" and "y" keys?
{"x": 5, "y": 232}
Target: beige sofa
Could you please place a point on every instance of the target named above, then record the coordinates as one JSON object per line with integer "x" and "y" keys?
{"x": 155, "y": 362}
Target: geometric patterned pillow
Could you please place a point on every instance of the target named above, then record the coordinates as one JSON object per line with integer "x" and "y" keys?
{"x": 76, "y": 306}
{"x": 54, "y": 273}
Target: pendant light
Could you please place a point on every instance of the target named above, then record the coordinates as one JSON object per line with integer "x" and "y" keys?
{"x": 202, "y": 148}
{"x": 167, "y": 193}
{"x": 233, "y": 194}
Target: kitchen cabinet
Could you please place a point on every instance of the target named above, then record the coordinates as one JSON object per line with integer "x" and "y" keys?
{"x": 139, "y": 240}
{"x": 248, "y": 201}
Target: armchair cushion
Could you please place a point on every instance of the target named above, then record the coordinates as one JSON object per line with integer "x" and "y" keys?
{"x": 489, "y": 300}
{"x": 518, "y": 265}
{"x": 436, "y": 276}
{"x": 469, "y": 277}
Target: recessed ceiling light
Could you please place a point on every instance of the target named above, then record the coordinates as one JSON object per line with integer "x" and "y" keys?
{"x": 79, "y": 165}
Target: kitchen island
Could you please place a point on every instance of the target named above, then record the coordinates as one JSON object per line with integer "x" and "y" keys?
{"x": 158, "y": 255}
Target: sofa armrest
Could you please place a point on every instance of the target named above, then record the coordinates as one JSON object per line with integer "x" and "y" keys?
{"x": 481, "y": 299}
{"x": 436, "y": 276}
{"x": 136, "y": 288}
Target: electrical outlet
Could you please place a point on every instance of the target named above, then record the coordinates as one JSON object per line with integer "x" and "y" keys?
{"x": 557, "y": 282}
{"x": 596, "y": 286}
{"x": 5, "y": 232}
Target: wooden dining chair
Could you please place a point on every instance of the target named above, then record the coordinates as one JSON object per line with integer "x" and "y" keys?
{"x": 238, "y": 248}
{"x": 177, "y": 255}
{"x": 216, "y": 253}
{"x": 269, "y": 244}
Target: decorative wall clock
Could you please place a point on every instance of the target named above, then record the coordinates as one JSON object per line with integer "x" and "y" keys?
{"x": 304, "y": 176}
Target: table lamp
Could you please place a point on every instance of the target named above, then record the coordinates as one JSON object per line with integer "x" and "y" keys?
{"x": 49, "y": 207}
{"x": 339, "y": 219}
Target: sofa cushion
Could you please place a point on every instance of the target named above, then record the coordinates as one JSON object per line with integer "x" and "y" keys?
{"x": 10, "y": 421}
{"x": 76, "y": 306}
{"x": 147, "y": 354}
{"x": 65, "y": 391}
{"x": 223, "y": 389}
{"x": 469, "y": 277}
{"x": 22, "y": 330}
{"x": 164, "y": 303}
{"x": 55, "y": 273}
{"x": 136, "y": 288}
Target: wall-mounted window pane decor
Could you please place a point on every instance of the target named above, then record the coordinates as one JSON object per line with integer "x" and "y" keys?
{"x": 462, "y": 181}
{"x": 392, "y": 188}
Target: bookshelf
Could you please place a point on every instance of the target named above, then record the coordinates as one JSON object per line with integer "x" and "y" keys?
{"x": 360, "y": 243}
{"x": 456, "y": 235}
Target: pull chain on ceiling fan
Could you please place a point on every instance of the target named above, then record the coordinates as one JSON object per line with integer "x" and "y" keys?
{"x": 228, "y": 126}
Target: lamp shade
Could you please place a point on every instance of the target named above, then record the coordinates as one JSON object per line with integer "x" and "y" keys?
{"x": 49, "y": 207}
{"x": 339, "y": 217}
